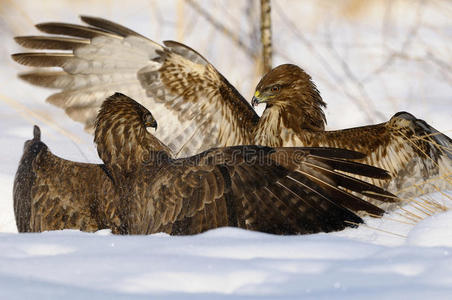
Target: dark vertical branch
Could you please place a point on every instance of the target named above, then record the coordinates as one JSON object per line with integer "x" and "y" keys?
{"x": 266, "y": 35}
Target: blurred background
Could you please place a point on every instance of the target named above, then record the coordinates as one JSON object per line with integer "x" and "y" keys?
{"x": 369, "y": 60}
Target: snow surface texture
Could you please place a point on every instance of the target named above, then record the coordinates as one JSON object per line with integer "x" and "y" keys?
{"x": 373, "y": 59}
{"x": 222, "y": 263}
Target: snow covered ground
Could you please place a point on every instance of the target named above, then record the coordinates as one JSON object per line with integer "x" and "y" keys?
{"x": 351, "y": 62}
{"x": 226, "y": 263}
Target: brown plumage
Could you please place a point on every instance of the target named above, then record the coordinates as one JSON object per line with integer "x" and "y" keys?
{"x": 204, "y": 110}
{"x": 51, "y": 193}
{"x": 105, "y": 58}
{"x": 277, "y": 190}
{"x": 141, "y": 189}
{"x": 410, "y": 149}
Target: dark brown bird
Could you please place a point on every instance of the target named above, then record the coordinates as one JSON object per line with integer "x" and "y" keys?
{"x": 204, "y": 110}
{"x": 276, "y": 190}
{"x": 141, "y": 189}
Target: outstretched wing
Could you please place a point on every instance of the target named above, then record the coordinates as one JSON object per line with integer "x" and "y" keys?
{"x": 418, "y": 157}
{"x": 51, "y": 193}
{"x": 200, "y": 107}
{"x": 254, "y": 188}
{"x": 189, "y": 85}
{"x": 283, "y": 190}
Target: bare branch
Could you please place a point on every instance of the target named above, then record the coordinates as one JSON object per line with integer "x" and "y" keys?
{"x": 266, "y": 35}
{"x": 359, "y": 102}
{"x": 364, "y": 102}
{"x": 220, "y": 27}
{"x": 406, "y": 44}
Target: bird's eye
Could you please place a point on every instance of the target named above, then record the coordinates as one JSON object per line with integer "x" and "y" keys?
{"x": 275, "y": 88}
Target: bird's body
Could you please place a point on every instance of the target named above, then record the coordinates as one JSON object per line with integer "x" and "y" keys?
{"x": 142, "y": 189}
{"x": 418, "y": 157}
{"x": 204, "y": 110}
{"x": 276, "y": 190}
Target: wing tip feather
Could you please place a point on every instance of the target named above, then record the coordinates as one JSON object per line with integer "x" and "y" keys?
{"x": 36, "y": 133}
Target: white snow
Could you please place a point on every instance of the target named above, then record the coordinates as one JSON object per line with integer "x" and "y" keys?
{"x": 388, "y": 258}
{"x": 430, "y": 232}
{"x": 222, "y": 263}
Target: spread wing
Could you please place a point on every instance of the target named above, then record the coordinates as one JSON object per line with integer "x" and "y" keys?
{"x": 418, "y": 157}
{"x": 201, "y": 108}
{"x": 51, "y": 193}
{"x": 192, "y": 87}
{"x": 257, "y": 188}
{"x": 284, "y": 190}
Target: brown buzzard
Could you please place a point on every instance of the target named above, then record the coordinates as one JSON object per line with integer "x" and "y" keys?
{"x": 204, "y": 110}
{"x": 142, "y": 189}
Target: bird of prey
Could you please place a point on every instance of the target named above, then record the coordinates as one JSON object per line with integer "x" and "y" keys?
{"x": 206, "y": 111}
{"x": 412, "y": 151}
{"x": 142, "y": 189}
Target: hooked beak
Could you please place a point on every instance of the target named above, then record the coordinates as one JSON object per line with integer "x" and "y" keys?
{"x": 152, "y": 124}
{"x": 256, "y": 100}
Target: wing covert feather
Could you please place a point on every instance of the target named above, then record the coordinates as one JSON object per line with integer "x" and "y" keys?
{"x": 412, "y": 152}
{"x": 202, "y": 109}
{"x": 253, "y": 191}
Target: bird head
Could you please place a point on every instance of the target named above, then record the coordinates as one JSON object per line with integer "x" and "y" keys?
{"x": 290, "y": 89}
{"x": 286, "y": 84}
{"x": 122, "y": 135}
{"x": 149, "y": 121}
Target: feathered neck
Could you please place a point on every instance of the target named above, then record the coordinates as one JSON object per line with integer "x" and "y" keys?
{"x": 268, "y": 130}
